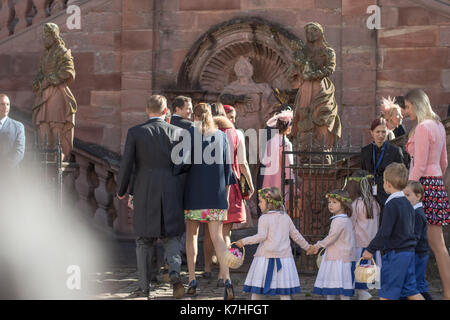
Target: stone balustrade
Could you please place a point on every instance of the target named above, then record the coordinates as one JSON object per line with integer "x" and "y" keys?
{"x": 17, "y": 15}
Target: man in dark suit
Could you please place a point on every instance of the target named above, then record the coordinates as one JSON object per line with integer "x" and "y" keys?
{"x": 376, "y": 156}
{"x": 182, "y": 111}
{"x": 12, "y": 136}
{"x": 157, "y": 194}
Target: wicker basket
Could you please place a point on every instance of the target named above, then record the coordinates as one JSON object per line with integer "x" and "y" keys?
{"x": 319, "y": 257}
{"x": 366, "y": 274}
{"x": 231, "y": 260}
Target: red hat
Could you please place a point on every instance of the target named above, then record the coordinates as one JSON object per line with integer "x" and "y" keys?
{"x": 228, "y": 108}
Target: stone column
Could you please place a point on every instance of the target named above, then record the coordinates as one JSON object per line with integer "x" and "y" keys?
{"x": 42, "y": 7}
{"x": 23, "y": 7}
{"x": 103, "y": 197}
{"x": 7, "y": 15}
{"x": 84, "y": 188}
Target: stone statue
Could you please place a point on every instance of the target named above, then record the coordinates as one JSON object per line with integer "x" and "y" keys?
{"x": 316, "y": 111}
{"x": 55, "y": 106}
{"x": 254, "y": 102}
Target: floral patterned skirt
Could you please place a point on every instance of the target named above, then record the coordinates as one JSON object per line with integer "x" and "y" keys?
{"x": 435, "y": 201}
{"x": 205, "y": 215}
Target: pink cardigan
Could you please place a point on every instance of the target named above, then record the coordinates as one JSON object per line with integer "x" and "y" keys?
{"x": 428, "y": 150}
{"x": 340, "y": 242}
{"x": 364, "y": 229}
{"x": 274, "y": 230}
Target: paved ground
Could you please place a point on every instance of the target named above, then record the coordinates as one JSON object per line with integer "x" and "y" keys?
{"x": 120, "y": 278}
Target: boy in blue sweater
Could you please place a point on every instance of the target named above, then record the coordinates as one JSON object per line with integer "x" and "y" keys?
{"x": 414, "y": 193}
{"x": 396, "y": 238}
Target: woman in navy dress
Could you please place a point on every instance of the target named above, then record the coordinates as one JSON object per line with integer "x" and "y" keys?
{"x": 208, "y": 181}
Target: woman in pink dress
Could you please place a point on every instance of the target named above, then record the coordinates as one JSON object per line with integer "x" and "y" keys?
{"x": 272, "y": 160}
{"x": 428, "y": 149}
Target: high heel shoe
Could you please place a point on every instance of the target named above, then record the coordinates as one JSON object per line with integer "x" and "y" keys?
{"x": 229, "y": 291}
{"x": 192, "y": 289}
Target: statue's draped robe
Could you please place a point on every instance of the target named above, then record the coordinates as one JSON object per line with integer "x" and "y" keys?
{"x": 56, "y": 103}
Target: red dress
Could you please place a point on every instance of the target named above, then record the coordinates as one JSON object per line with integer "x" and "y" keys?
{"x": 236, "y": 208}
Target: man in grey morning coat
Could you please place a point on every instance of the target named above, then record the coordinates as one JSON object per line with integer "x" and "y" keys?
{"x": 157, "y": 194}
{"x": 12, "y": 137}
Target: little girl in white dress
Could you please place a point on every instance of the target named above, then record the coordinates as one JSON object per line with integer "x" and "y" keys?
{"x": 273, "y": 270}
{"x": 335, "y": 277}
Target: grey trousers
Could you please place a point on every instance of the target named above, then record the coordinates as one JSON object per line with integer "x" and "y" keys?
{"x": 145, "y": 249}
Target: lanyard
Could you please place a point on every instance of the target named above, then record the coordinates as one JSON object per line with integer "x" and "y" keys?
{"x": 379, "y": 160}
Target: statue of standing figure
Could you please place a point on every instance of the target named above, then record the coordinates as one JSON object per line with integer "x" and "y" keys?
{"x": 316, "y": 110}
{"x": 55, "y": 106}
{"x": 254, "y": 102}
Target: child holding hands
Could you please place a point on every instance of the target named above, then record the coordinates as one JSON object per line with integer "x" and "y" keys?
{"x": 335, "y": 275}
{"x": 273, "y": 270}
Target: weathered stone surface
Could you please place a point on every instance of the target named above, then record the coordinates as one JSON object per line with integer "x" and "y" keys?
{"x": 408, "y": 58}
{"x": 133, "y": 61}
{"x": 444, "y": 36}
{"x": 107, "y": 62}
{"x": 356, "y": 57}
{"x": 138, "y": 5}
{"x": 209, "y": 5}
{"x": 445, "y": 79}
{"x": 415, "y": 36}
{"x": 417, "y": 16}
{"x": 137, "y": 81}
{"x": 354, "y": 36}
{"x": 295, "y": 4}
{"x": 328, "y": 4}
{"x": 105, "y": 98}
{"x": 137, "y": 40}
{"x": 357, "y": 78}
{"x": 137, "y": 20}
{"x": 356, "y": 7}
{"x": 409, "y": 78}
{"x": 358, "y": 97}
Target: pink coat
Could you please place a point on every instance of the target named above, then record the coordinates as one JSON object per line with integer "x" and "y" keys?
{"x": 272, "y": 161}
{"x": 364, "y": 229}
{"x": 274, "y": 230}
{"x": 428, "y": 150}
{"x": 340, "y": 242}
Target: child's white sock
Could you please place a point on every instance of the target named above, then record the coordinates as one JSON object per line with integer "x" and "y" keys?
{"x": 330, "y": 297}
{"x": 285, "y": 297}
{"x": 344, "y": 297}
{"x": 256, "y": 296}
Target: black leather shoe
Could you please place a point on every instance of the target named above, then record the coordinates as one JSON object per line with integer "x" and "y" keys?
{"x": 229, "y": 291}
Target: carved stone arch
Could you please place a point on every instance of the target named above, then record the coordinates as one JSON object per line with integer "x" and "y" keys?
{"x": 209, "y": 65}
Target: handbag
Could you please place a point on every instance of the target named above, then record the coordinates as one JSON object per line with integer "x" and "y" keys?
{"x": 244, "y": 186}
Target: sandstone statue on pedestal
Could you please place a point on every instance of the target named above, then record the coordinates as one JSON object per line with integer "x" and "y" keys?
{"x": 55, "y": 106}
{"x": 316, "y": 110}
{"x": 254, "y": 102}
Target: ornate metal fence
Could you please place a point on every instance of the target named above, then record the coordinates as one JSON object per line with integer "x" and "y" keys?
{"x": 316, "y": 173}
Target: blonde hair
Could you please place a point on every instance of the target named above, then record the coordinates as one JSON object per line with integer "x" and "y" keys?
{"x": 156, "y": 103}
{"x": 422, "y": 106}
{"x": 389, "y": 107}
{"x": 202, "y": 111}
{"x": 273, "y": 198}
{"x": 397, "y": 175}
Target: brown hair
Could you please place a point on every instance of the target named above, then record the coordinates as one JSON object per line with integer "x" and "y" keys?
{"x": 377, "y": 122}
{"x": 156, "y": 103}
{"x": 202, "y": 111}
{"x": 416, "y": 187}
{"x": 217, "y": 109}
{"x": 179, "y": 102}
{"x": 361, "y": 188}
{"x": 397, "y": 175}
{"x": 347, "y": 206}
{"x": 271, "y": 195}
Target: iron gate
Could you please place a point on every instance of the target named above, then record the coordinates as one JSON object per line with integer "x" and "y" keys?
{"x": 315, "y": 173}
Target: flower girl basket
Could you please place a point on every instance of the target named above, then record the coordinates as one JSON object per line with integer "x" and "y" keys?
{"x": 367, "y": 273}
{"x": 319, "y": 257}
{"x": 231, "y": 260}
